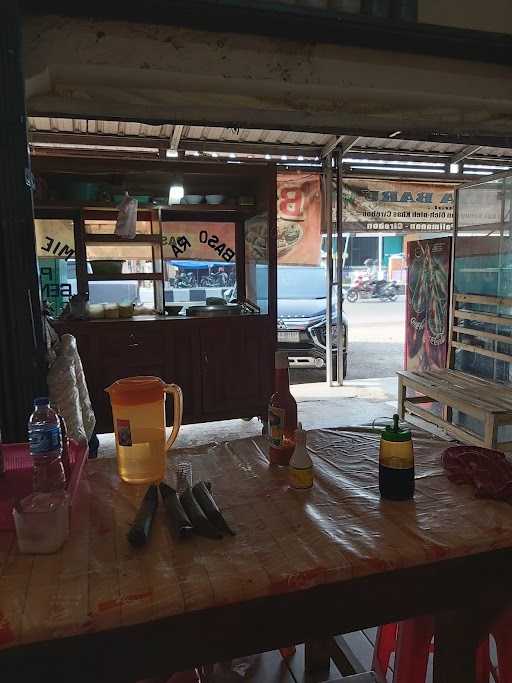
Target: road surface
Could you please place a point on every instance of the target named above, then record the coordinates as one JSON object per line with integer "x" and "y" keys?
{"x": 376, "y": 333}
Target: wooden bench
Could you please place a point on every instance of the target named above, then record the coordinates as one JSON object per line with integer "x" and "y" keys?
{"x": 488, "y": 401}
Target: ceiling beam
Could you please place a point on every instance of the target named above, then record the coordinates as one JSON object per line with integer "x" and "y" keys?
{"x": 345, "y": 141}
{"x": 464, "y": 153}
{"x": 274, "y": 149}
{"x": 331, "y": 145}
{"x": 92, "y": 139}
{"x": 147, "y": 144}
{"x": 174, "y": 142}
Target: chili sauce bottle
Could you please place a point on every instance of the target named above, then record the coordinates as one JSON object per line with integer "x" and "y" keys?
{"x": 396, "y": 463}
{"x": 282, "y": 415}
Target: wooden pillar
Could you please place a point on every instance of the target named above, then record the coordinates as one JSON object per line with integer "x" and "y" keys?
{"x": 22, "y": 369}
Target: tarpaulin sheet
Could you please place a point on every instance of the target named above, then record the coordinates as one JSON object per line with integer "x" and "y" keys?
{"x": 285, "y": 540}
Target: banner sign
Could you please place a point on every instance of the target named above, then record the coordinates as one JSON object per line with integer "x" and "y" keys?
{"x": 381, "y": 205}
{"x": 298, "y": 219}
{"x": 198, "y": 241}
{"x": 426, "y": 322}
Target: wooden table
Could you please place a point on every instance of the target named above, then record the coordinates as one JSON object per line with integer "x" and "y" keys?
{"x": 302, "y": 566}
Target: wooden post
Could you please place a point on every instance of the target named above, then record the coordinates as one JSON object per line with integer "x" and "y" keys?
{"x": 22, "y": 369}
{"x": 456, "y": 638}
{"x": 490, "y": 431}
{"x": 317, "y": 655}
{"x": 402, "y": 396}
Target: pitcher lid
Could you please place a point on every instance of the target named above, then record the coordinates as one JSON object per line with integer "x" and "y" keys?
{"x": 135, "y": 390}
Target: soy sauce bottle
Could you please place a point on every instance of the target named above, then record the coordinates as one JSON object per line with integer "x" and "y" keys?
{"x": 396, "y": 463}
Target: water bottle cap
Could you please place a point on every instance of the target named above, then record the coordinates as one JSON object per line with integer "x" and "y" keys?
{"x": 41, "y": 401}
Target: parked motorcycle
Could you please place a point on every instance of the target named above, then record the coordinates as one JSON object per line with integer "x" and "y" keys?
{"x": 185, "y": 281}
{"x": 372, "y": 289}
{"x": 215, "y": 280}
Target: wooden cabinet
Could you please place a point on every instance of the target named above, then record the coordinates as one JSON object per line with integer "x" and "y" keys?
{"x": 235, "y": 366}
{"x": 223, "y": 365}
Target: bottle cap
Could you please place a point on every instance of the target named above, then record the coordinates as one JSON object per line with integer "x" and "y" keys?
{"x": 395, "y": 433}
{"x": 41, "y": 401}
{"x": 281, "y": 360}
{"x": 300, "y": 434}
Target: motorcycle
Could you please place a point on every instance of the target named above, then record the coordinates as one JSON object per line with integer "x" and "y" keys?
{"x": 185, "y": 281}
{"x": 372, "y": 289}
{"x": 215, "y": 280}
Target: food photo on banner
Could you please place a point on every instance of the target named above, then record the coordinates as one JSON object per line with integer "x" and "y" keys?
{"x": 298, "y": 219}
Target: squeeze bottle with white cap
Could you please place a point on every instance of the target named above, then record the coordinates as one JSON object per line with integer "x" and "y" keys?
{"x": 301, "y": 465}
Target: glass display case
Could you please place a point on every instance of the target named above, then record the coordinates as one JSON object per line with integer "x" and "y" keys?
{"x": 483, "y": 272}
{"x": 482, "y": 286}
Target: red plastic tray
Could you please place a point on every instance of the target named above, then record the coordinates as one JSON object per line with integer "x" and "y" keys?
{"x": 17, "y": 480}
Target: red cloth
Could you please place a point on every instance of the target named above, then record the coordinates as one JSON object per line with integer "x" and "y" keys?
{"x": 17, "y": 480}
{"x": 490, "y": 472}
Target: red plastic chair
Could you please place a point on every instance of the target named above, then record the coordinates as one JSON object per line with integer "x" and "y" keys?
{"x": 411, "y": 641}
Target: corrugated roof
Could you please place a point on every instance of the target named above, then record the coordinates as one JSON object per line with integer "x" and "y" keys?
{"x": 194, "y": 134}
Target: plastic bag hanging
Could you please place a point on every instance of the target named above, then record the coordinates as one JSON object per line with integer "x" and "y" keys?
{"x": 126, "y": 224}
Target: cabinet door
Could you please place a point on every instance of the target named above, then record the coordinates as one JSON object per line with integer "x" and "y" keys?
{"x": 123, "y": 352}
{"x": 183, "y": 366}
{"x": 236, "y": 368}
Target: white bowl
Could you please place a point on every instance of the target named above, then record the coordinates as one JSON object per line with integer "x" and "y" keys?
{"x": 193, "y": 199}
{"x": 214, "y": 198}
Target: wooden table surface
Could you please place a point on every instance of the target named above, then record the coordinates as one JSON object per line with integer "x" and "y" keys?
{"x": 302, "y": 565}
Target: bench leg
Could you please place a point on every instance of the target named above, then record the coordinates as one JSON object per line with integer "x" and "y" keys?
{"x": 490, "y": 432}
{"x": 402, "y": 396}
{"x": 317, "y": 655}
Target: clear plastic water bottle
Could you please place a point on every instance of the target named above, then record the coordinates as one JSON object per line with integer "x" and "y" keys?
{"x": 45, "y": 442}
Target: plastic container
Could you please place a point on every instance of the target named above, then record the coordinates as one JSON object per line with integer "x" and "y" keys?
{"x": 111, "y": 310}
{"x": 84, "y": 192}
{"x": 42, "y": 522}
{"x": 107, "y": 267}
{"x": 138, "y": 409}
{"x": 45, "y": 442}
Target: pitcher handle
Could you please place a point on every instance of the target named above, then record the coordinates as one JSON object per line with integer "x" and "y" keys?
{"x": 177, "y": 394}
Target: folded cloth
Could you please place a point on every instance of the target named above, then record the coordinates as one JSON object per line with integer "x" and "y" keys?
{"x": 490, "y": 472}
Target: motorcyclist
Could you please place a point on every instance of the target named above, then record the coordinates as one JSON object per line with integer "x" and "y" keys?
{"x": 372, "y": 273}
{"x": 222, "y": 276}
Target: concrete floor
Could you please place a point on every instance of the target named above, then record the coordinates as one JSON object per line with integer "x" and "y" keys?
{"x": 357, "y": 402}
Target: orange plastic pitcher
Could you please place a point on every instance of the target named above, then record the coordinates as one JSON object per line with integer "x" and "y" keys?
{"x": 138, "y": 409}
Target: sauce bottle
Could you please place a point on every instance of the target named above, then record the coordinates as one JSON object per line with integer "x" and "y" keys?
{"x": 301, "y": 465}
{"x": 396, "y": 463}
{"x": 282, "y": 415}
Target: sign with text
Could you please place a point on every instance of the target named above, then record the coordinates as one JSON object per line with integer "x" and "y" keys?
{"x": 298, "y": 218}
{"x": 381, "y": 205}
{"x": 55, "y": 238}
{"x": 198, "y": 241}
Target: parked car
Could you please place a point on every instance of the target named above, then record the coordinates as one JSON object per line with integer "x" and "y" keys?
{"x": 301, "y": 316}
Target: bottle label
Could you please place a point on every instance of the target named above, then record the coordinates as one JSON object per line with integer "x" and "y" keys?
{"x": 301, "y": 478}
{"x": 44, "y": 439}
{"x": 397, "y": 456}
{"x": 276, "y": 418}
{"x": 124, "y": 433}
